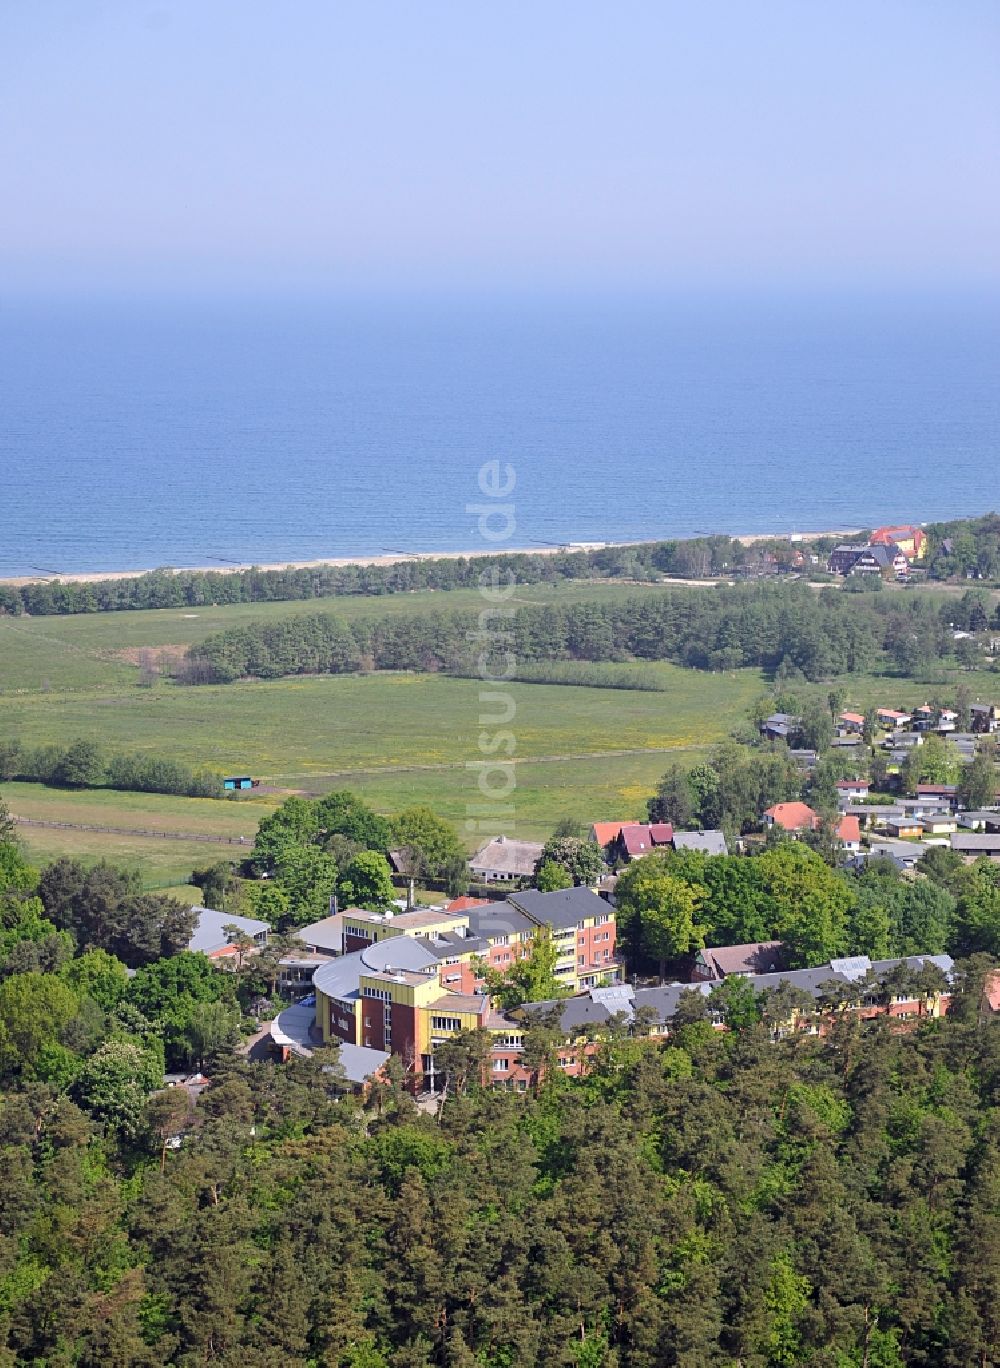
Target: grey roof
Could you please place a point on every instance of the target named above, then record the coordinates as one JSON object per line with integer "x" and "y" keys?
{"x": 507, "y": 856}
{"x": 664, "y": 999}
{"x": 577, "y": 1012}
{"x": 341, "y": 977}
{"x": 564, "y": 908}
{"x": 208, "y": 934}
{"x": 498, "y": 919}
{"x": 971, "y": 842}
{"x": 291, "y": 1029}
{"x": 709, "y": 842}
{"x": 443, "y": 944}
{"x": 597, "y": 1006}
{"x": 906, "y": 851}
{"x": 359, "y": 1062}
{"x": 616, "y": 997}
{"x": 327, "y": 934}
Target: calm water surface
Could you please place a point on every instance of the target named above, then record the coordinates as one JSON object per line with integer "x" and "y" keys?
{"x": 186, "y": 433}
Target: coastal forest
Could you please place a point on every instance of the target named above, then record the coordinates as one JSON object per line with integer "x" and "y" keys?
{"x": 788, "y": 629}
{"x": 962, "y": 548}
{"x": 721, "y": 1199}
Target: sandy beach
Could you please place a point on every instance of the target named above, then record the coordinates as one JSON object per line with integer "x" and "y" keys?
{"x": 96, "y": 576}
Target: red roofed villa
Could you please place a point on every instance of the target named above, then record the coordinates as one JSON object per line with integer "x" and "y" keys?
{"x": 910, "y": 540}
{"x": 792, "y": 817}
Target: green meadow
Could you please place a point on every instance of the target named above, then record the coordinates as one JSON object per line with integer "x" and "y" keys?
{"x": 102, "y": 650}
{"x": 581, "y": 752}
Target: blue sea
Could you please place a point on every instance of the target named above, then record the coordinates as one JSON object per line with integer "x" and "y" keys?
{"x": 138, "y": 434}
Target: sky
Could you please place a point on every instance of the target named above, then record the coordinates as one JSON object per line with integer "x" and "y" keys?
{"x": 519, "y": 144}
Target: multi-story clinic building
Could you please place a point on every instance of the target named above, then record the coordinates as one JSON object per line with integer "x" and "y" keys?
{"x": 406, "y": 983}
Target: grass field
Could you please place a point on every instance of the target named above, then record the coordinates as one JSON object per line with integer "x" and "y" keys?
{"x": 100, "y": 650}
{"x": 396, "y": 739}
{"x": 581, "y": 752}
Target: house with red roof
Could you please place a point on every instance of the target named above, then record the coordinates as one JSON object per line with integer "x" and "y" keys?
{"x": 792, "y": 817}
{"x": 637, "y": 839}
{"x": 605, "y": 833}
{"x": 848, "y": 833}
{"x": 912, "y": 541}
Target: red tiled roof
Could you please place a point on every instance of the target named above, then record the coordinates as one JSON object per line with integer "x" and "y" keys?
{"x": 793, "y": 816}
{"x": 637, "y": 840}
{"x": 852, "y": 784}
{"x": 857, "y": 718}
{"x": 849, "y": 830}
{"x": 463, "y": 903}
{"x": 640, "y": 840}
{"x": 906, "y": 531}
{"x": 606, "y": 832}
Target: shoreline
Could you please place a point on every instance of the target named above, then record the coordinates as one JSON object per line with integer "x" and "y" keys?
{"x": 100, "y": 576}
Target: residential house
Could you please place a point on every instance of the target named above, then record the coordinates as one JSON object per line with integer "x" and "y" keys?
{"x": 780, "y": 726}
{"x": 852, "y": 790}
{"x": 892, "y": 718}
{"x": 972, "y": 844}
{"x": 843, "y": 558}
{"x": 985, "y": 717}
{"x": 980, "y": 820}
{"x": 210, "y": 937}
{"x": 505, "y": 860}
{"x": 848, "y": 833}
{"x": 707, "y": 842}
{"x": 905, "y": 828}
{"x": 852, "y": 722}
{"x": 945, "y": 793}
{"x": 721, "y": 961}
{"x": 882, "y": 559}
{"x": 903, "y": 854}
{"x": 792, "y": 817}
{"x": 606, "y": 833}
{"x": 912, "y": 541}
{"x": 640, "y": 839}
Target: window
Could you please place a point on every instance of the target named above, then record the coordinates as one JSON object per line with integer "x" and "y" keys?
{"x": 508, "y": 1042}
{"x": 443, "y": 1023}
{"x": 581, "y": 959}
{"x": 600, "y": 921}
{"x": 501, "y": 1065}
{"x": 380, "y": 994}
{"x": 501, "y": 940}
{"x": 452, "y": 978}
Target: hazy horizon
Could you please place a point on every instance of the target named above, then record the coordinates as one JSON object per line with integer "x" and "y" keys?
{"x": 241, "y": 149}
